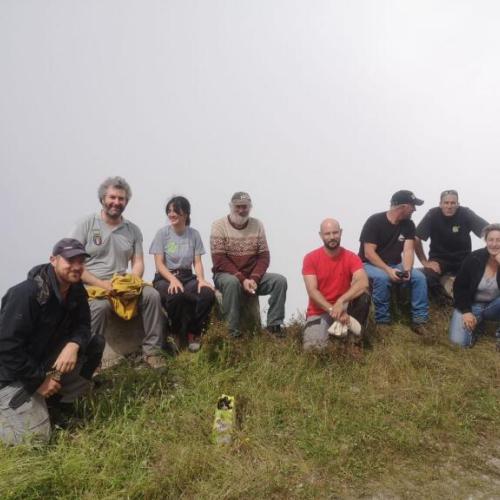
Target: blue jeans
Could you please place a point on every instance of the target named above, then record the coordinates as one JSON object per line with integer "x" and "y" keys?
{"x": 381, "y": 294}
{"x": 460, "y": 335}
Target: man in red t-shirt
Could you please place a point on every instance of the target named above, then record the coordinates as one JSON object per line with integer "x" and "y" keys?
{"x": 337, "y": 286}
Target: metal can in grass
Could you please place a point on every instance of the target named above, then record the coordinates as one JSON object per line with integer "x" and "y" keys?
{"x": 224, "y": 421}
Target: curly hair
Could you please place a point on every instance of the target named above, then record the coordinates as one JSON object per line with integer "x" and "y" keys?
{"x": 116, "y": 183}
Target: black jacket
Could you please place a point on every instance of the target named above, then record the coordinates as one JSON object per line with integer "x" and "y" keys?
{"x": 468, "y": 278}
{"x": 36, "y": 323}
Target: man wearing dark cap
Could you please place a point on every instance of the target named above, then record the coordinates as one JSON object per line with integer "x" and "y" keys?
{"x": 46, "y": 350}
{"x": 387, "y": 251}
{"x": 240, "y": 258}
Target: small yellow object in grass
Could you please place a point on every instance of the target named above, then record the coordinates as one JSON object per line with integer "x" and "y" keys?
{"x": 224, "y": 421}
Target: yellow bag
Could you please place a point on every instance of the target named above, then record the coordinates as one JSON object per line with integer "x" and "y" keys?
{"x": 124, "y": 298}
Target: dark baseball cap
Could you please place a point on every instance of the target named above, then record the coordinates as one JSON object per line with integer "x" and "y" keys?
{"x": 404, "y": 196}
{"x": 241, "y": 197}
{"x": 68, "y": 248}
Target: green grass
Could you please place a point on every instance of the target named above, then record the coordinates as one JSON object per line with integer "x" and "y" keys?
{"x": 412, "y": 419}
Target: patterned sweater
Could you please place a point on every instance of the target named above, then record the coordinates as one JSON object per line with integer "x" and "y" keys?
{"x": 242, "y": 252}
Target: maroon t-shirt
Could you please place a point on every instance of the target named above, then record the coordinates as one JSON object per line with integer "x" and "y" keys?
{"x": 334, "y": 274}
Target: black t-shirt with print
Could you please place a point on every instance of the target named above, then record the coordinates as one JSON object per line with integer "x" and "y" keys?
{"x": 450, "y": 236}
{"x": 388, "y": 237}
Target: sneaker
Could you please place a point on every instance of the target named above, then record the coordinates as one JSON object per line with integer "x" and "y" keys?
{"x": 420, "y": 329}
{"x": 194, "y": 342}
{"x": 154, "y": 361}
{"x": 277, "y": 331}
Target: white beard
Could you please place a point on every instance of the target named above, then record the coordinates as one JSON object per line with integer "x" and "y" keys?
{"x": 238, "y": 220}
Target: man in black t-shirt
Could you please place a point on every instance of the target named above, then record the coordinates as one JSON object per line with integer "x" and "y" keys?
{"x": 387, "y": 250}
{"x": 448, "y": 227}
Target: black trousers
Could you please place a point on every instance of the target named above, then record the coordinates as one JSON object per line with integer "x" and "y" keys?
{"x": 188, "y": 311}
{"x": 89, "y": 359}
{"x": 434, "y": 279}
{"x": 359, "y": 308}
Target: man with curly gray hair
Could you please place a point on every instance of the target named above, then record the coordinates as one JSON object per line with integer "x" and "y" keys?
{"x": 113, "y": 243}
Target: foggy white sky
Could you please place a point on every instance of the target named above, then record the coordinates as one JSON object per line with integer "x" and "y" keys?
{"x": 317, "y": 108}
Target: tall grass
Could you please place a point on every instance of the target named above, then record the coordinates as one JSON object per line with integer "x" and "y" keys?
{"x": 412, "y": 419}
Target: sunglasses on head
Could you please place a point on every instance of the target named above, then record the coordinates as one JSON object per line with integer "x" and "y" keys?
{"x": 448, "y": 192}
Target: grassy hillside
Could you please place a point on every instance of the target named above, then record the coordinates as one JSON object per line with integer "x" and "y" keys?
{"x": 412, "y": 419}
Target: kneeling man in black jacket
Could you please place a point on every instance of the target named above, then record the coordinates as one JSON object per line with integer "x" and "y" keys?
{"x": 46, "y": 350}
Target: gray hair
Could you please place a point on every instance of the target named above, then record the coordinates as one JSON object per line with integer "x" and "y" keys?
{"x": 489, "y": 228}
{"x": 117, "y": 183}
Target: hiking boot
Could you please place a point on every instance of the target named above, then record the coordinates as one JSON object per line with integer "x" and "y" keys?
{"x": 169, "y": 346}
{"x": 277, "y": 331}
{"x": 194, "y": 342}
{"x": 154, "y": 361}
{"x": 420, "y": 329}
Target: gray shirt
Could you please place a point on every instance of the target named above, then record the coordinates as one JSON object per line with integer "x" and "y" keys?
{"x": 487, "y": 290}
{"x": 177, "y": 250}
{"x": 110, "y": 248}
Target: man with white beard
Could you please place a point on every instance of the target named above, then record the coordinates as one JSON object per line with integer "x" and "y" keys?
{"x": 241, "y": 257}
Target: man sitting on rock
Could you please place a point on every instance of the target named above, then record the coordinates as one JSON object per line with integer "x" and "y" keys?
{"x": 46, "y": 350}
{"x": 336, "y": 284}
{"x": 448, "y": 227}
{"x": 113, "y": 243}
{"x": 240, "y": 258}
{"x": 387, "y": 250}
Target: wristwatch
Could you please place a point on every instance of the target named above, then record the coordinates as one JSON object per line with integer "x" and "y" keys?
{"x": 54, "y": 375}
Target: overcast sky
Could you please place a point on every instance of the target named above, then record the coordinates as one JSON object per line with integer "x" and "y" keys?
{"x": 316, "y": 108}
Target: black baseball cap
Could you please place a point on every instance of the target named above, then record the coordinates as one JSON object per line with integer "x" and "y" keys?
{"x": 404, "y": 196}
{"x": 68, "y": 248}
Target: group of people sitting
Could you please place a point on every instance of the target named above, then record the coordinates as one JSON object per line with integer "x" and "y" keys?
{"x": 53, "y": 325}
{"x": 340, "y": 283}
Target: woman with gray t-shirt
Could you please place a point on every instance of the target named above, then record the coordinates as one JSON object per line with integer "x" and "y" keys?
{"x": 187, "y": 296}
